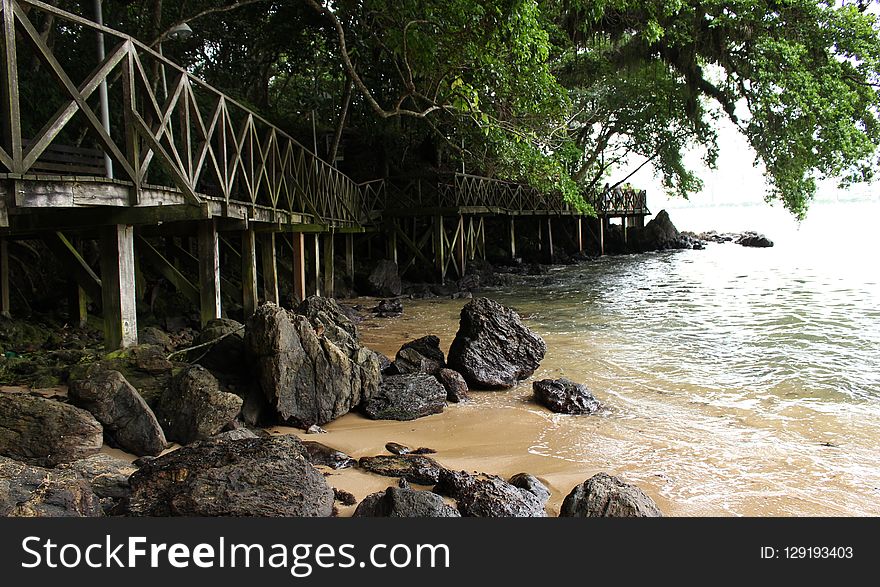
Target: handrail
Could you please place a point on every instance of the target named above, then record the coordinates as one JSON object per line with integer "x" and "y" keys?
{"x": 206, "y": 143}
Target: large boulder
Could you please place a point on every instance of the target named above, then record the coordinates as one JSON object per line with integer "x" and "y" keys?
{"x": 262, "y": 477}
{"x": 227, "y": 354}
{"x": 318, "y": 453}
{"x": 406, "y": 397}
{"x": 306, "y": 377}
{"x": 488, "y": 496}
{"x": 384, "y": 280}
{"x": 45, "y": 432}
{"x": 422, "y": 355}
{"x": 145, "y": 366}
{"x": 194, "y": 408}
{"x": 395, "y": 502}
{"x": 414, "y": 468}
{"x": 126, "y": 417}
{"x": 531, "y": 484}
{"x": 753, "y": 239}
{"x": 455, "y": 385}
{"x": 604, "y": 496}
{"x": 108, "y": 477}
{"x": 35, "y": 492}
{"x": 326, "y": 315}
{"x": 564, "y": 396}
{"x": 493, "y": 348}
{"x": 659, "y": 234}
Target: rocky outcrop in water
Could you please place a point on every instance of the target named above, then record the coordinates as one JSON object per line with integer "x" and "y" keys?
{"x": 564, "y": 396}
{"x": 194, "y": 408}
{"x": 406, "y": 397}
{"x": 454, "y": 384}
{"x": 35, "y": 492}
{"x": 753, "y": 239}
{"x": 604, "y": 496}
{"x": 422, "y": 355}
{"x": 384, "y": 281}
{"x": 395, "y": 502}
{"x": 308, "y": 374}
{"x": 391, "y": 308}
{"x": 128, "y": 421}
{"x": 493, "y": 348}
{"x": 265, "y": 477}
{"x": 45, "y": 432}
{"x": 414, "y": 468}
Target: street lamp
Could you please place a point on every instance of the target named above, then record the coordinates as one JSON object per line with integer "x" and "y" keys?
{"x": 179, "y": 33}
{"x": 102, "y": 89}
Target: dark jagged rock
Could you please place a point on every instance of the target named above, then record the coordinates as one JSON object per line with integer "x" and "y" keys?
{"x": 326, "y": 315}
{"x": 531, "y": 484}
{"x": 753, "y": 239}
{"x": 107, "y": 476}
{"x": 46, "y": 432}
{"x": 414, "y": 468}
{"x": 306, "y": 376}
{"x": 397, "y": 449}
{"x": 237, "y": 434}
{"x": 156, "y": 337}
{"x": 384, "y": 280}
{"x": 35, "y": 492}
{"x": 488, "y": 496}
{"x": 423, "y": 450}
{"x": 564, "y": 396}
{"x": 344, "y": 497}
{"x": 195, "y": 408}
{"x": 144, "y": 366}
{"x": 126, "y": 417}
{"x": 604, "y": 496}
{"x": 321, "y": 454}
{"x": 422, "y": 355}
{"x": 455, "y": 385}
{"x": 264, "y": 477}
{"x": 386, "y": 367}
{"x": 406, "y": 397}
{"x": 659, "y": 234}
{"x": 395, "y": 502}
{"x": 493, "y": 348}
{"x": 227, "y": 355}
{"x": 390, "y": 308}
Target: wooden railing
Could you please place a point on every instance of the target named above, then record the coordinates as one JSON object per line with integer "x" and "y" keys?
{"x": 168, "y": 127}
{"x": 621, "y": 202}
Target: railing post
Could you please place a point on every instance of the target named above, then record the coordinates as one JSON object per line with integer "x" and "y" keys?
{"x": 11, "y": 106}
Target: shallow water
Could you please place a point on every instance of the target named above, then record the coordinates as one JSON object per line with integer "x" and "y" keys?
{"x": 736, "y": 381}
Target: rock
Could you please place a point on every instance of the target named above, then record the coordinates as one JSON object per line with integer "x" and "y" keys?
{"x": 753, "y": 239}
{"x": 315, "y": 429}
{"x": 604, "y": 496}
{"x": 321, "y": 454}
{"x": 414, "y": 468}
{"x": 404, "y": 503}
{"x": 46, "y": 432}
{"x": 403, "y": 483}
{"x": 406, "y": 397}
{"x": 35, "y": 492}
{"x": 195, "y": 408}
{"x": 333, "y": 320}
{"x": 493, "y": 348}
{"x": 422, "y": 355}
{"x": 227, "y": 355}
{"x": 531, "y": 484}
{"x": 455, "y": 385}
{"x": 422, "y": 450}
{"x": 386, "y": 367}
{"x": 488, "y": 496}
{"x": 344, "y": 497}
{"x": 237, "y": 434}
{"x": 307, "y": 377}
{"x": 384, "y": 281}
{"x": 659, "y": 234}
{"x": 397, "y": 449}
{"x": 388, "y": 309}
{"x": 264, "y": 477}
{"x": 107, "y": 476}
{"x": 156, "y": 337}
{"x": 126, "y": 417}
{"x": 564, "y": 396}
{"x": 144, "y": 366}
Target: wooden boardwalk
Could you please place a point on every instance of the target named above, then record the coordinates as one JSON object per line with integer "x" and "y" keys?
{"x": 174, "y": 156}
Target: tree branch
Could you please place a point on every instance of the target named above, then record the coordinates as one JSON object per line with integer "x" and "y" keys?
{"x": 163, "y": 36}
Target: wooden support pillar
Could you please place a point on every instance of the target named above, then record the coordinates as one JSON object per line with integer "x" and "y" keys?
{"x": 298, "y": 241}
{"x": 270, "y": 268}
{"x": 440, "y": 248}
{"x": 512, "y": 237}
{"x": 624, "y": 222}
{"x": 5, "y": 310}
{"x": 329, "y": 289}
{"x": 316, "y": 262}
{"x": 550, "y": 239}
{"x": 459, "y": 246}
{"x": 249, "y": 295}
{"x": 602, "y": 236}
{"x": 209, "y": 272}
{"x": 392, "y": 241}
{"x": 349, "y": 256}
{"x": 540, "y": 236}
{"x": 118, "y": 286}
{"x": 580, "y": 234}
{"x": 78, "y": 304}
